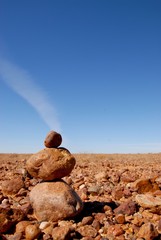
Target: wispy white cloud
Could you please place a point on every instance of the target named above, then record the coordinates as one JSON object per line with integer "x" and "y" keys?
{"x": 23, "y": 84}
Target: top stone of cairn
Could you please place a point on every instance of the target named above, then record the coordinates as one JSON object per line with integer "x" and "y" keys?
{"x": 53, "y": 140}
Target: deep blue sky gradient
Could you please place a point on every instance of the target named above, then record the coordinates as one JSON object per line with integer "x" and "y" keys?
{"x": 99, "y": 63}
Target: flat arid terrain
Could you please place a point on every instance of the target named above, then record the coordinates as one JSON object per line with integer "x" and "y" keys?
{"x": 121, "y": 195}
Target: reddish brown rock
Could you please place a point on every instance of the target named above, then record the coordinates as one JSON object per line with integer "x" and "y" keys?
{"x": 101, "y": 217}
{"x": 114, "y": 231}
{"x": 101, "y": 176}
{"x": 53, "y": 140}
{"x": 87, "y": 220}
{"x": 96, "y": 224}
{"x": 117, "y": 193}
{"x": 128, "y": 177}
{"x": 15, "y": 236}
{"x": 87, "y": 231}
{"x": 145, "y": 185}
{"x": 9, "y": 217}
{"x": 120, "y": 218}
{"x": 61, "y": 233}
{"x": 148, "y": 231}
{"x": 21, "y": 226}
{"x": 53, "y": 201}
{"x": 159, "y": 226}
{"x": 32, "y": 232}
{"x": 148, "y": 200}
{"x": 50, "y": 164}
{"x": 127, "y": 208}
{"x": 12, "y": 186}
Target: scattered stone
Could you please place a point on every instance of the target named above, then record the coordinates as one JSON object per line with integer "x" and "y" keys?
{"x": 87, "y": 220}
{"x": 87, "y": 231}
{"x": 148, "y": 200}
{"x": 21, "y": 226}
{"x": 120, "y": 218}
{"x": 94, "y": 189}
{"x": 148, "y": 231}
{"x": 44, "y": 225}
{"x": 12, "y": 186}
{"x": 50, "y": 164}
{"x": 9, "y": 217}
{"x": 15, "y": 236}
{"x": 127, "y": 177}
{"x": 61, "y": 233}
{"x": 159, "y": 226}
{"x": 145, "y": 185}
{"x": 32, "y": 232}
{"x": 101, "y": 176}
{"x": 53, "y": 140}
{"x": 127, "y": 208}
{"x": 114, "y": 231}
{"x": 117, "y": 193}
{"x": 101, "y": 217}
{"x": 56, "y": 201}
{"x": 96, "y": 224}
{"x": 48, "y": 230}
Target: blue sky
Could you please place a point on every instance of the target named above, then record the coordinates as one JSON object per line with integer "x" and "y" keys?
{"x": 88, "y": 69}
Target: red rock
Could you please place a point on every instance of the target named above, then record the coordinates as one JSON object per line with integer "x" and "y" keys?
{"x": 96, "y": 224}
{"x": 145, "y": 185}
{"x": 117, "y": 193}
{"x": 138, "y": 219}
{"x": 87, "y": 231}
{"x": 114, "y": 177}
{"x": 12, "y": 186}
{"x": 120, "y": 218}
{"x": 114, "y": 231}
{"x": 53, "y": 140}
{"x": 101, "y": 176}
{"x": 15, "y": 236}
{"x": 128, "y": 177}
{"x": 61, "y": 233}
{"x": 94, "y": 189}
{"x": 148, "y": 200}
{"x": 9, "y": 217}
{"x": 159, "y": 226}
{"x": 127, "y": 208}
{"x": 87, "y": 220}
{"x": 127, "y": 193}
{"x": 148, "y": 231}
{"x": 101, "y": 217}
{"x": 121, "y": 237}
{"x": 32, "y": 232}
{"x": 21, "y": 226}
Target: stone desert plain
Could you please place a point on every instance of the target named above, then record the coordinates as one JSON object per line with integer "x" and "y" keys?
{"x": 120, "y": 193}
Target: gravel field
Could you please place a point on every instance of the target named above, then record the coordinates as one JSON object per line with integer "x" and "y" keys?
{"x": 120, "y": 193}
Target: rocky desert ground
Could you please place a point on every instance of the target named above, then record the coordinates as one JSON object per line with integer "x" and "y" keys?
{"x": 121, "y": 194}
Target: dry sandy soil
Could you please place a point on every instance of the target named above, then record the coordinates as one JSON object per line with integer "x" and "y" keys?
{"x": 121, "y": 195}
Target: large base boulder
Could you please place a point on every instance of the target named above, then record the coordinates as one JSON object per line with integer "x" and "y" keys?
{"x": 53, "y": 201}
{"x": 51, "y": 163}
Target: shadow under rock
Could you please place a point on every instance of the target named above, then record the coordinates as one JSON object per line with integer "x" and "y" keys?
{"x": 93, "y": 207}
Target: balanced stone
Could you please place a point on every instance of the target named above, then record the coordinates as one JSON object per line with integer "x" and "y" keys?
{"x": 53, "y": 201}
{"x": 51, "y": 163}
{"x": 53, "y": 140}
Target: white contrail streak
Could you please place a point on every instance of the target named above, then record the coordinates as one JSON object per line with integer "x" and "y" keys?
{"x": 23, "y": 84}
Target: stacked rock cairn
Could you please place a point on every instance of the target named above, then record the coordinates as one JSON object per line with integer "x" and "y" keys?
{"x": 53, "y": 199}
